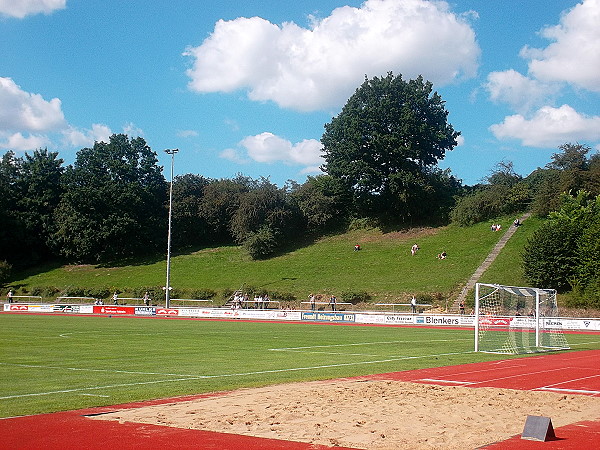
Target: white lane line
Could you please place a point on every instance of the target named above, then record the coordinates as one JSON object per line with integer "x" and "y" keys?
{"x": 435, "y": 380}
{"x": 308, "y": 347}
{"x": 227, "y": 375}
{"x": 574, "y": 391}
{"x": 80, "y": 369}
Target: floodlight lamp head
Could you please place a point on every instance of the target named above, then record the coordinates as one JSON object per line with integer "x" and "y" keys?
{"x": 171, "y": 151}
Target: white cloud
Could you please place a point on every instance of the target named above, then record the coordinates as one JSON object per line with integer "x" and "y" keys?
{"x": 132, "y": 130}
{"x": 187, "y": 133}
{"x": 321, "y": 66}
{"x": 22, "y": 8}
{"x": 18, "y": 142}
{"x": 85, "y": 138}
{"x": 549, "y": 127}
{"x": 267, "y": 147}
{"x": 23, "y": 111}
{"x": 233, "y": 155}
{"x": 574, "y": 56}
{"x": 521, "y": 93}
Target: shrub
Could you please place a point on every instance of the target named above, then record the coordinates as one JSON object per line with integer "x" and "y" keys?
{"x": 282, "y": 296}
{"x": 203, "y": 294}
{"x": 73, "y": 291}
{"x": 261, "y": 244}
{"x": 45, "y": 291}
{"x": 5, "y": 271}
{"x": 355, "y": 297}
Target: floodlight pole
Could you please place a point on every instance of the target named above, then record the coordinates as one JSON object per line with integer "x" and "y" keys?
{"x": 168, "y": 285}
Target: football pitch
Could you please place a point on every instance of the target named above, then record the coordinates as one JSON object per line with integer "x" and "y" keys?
{"x": 53, "y": 363}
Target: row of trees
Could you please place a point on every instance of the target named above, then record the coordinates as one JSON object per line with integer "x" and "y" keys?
{"x": 381, "y": 154}
{"x": 505, "y": 192}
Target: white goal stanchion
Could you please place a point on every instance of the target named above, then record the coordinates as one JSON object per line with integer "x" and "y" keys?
{"x": 514, "y": 320}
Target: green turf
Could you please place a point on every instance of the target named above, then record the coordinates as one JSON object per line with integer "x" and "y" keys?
{"x": 51, "y": 363}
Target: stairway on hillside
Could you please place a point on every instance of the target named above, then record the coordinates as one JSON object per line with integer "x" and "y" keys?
{"x": 485, "y": 265}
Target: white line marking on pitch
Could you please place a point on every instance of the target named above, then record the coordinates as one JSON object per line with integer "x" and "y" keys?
{"x": 308, "y": 347}
{"x": 80, "y": 369}
{"x": 226, "y": 375}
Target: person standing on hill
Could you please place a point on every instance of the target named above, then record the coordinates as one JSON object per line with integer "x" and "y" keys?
{"x": 413, "y": 304}
{"x": 312, "y": 300}
{"x": 9, "y": 296}
{"x": 332, "y": 302}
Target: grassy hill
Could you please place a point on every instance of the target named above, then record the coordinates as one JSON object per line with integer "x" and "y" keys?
{"x": 384, "y": 268}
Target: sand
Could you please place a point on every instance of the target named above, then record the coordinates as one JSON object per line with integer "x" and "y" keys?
{"x": 370, "y": 414}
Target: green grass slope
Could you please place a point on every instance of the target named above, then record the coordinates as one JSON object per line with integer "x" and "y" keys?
{"x": 384, "y": 268}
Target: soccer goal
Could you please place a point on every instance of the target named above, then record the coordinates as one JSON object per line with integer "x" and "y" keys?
{"x": 514, "y": 320}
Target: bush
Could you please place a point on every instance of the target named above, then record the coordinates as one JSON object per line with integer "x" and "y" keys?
{"x": 355, "y": 297}
{"x": 98, "y": 292}
{"x": 73, "y": 291}
{"x": 5, "y": 271}
{"x": 203, "y": 294}
{"x": 44, "y": 291}
{"x": 282, "y": 296}
{"x": 261, "y": 244}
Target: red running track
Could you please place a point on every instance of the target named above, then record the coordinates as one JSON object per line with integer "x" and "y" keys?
{"x": 572, "y": 373}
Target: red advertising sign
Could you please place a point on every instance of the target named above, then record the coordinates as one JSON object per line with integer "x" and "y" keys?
{"x": 19, "y": 307}
{"x": 495, "y": 321}
{"x": 117, "y": 310}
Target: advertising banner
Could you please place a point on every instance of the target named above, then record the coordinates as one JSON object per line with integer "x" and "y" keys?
{"x": 145, "y": 311}
{"x": 329, "y": 317}
{"x": 65, "y": 308}
{"x": 167, "y": 312}
{"x": 438, "y": 320}
{"x": 117, "y": 310}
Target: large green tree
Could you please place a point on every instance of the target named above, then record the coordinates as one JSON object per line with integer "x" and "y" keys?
{"x": 386, "y": 142}
{"x": 114, "y": 202}
{"x": 564, "y": 252}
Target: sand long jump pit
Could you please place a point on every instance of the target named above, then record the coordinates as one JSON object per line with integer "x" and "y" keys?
{"x": 369, "y": 414}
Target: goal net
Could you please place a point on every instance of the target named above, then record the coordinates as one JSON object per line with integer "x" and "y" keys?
{"x": 514, "y": 320}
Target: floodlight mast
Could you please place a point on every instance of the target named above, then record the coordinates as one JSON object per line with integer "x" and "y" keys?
{"x": 168, "y": 285}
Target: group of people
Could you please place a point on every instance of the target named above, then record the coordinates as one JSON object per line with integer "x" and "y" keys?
{"x": 496, "y": 227}
{"x": 240, "y": 299}
{"x": 312, "y": 298}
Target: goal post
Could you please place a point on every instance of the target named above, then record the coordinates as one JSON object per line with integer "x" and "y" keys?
{"x": 514, "y": 320}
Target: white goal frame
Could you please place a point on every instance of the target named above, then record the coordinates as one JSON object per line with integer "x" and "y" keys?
{"x": 503, "y": 326}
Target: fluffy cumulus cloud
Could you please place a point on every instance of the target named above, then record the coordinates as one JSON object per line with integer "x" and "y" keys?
{"x": 19, "y": 142}
{"x": 320, "y": 66}
{"x": 574, "y": 54}
{"x": 269, "y": 148}
{"x": 549, "y": 127}
{"x": 23, "y": 111}
{"x": 76, "y": 137}
{"x": 22, "y": 8}
{"x": 29, "y": 122}
{"x": 520, "y": 92}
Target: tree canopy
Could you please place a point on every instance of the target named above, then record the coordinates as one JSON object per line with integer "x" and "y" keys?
{"x": 386, "y": 141}
{"x": 113, "y": 205}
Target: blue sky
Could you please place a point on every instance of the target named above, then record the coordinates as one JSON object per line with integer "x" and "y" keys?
{"x": 246, "y": 86}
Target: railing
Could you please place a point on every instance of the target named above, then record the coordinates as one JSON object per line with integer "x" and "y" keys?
{"x": 37, "y": 298}
{"x": 393, "y": 305}
{"x": 336, "y": 304}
